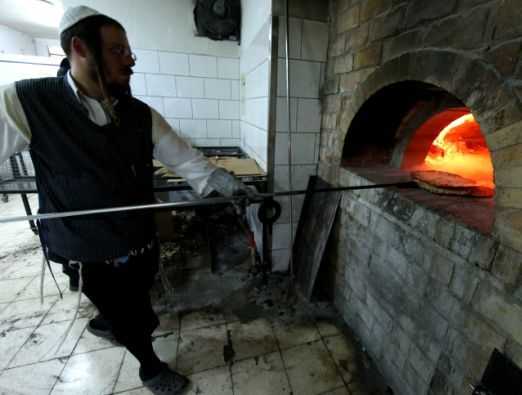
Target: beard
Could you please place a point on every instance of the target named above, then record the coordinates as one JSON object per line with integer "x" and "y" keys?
{"x": 116, "y": 90}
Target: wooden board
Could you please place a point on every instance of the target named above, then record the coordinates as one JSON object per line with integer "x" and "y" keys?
{"x": 237, "y": 166}
{"x": 313, "y": 231}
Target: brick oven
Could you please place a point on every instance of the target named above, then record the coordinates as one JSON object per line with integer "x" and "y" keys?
{"x": 431, "y": 283}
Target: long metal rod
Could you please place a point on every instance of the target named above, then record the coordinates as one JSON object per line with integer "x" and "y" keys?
{"x": 190, "y": 204}
{"x": 290, "y": 179}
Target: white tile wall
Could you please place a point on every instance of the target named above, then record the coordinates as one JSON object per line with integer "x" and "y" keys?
{"x": 154, "y": 102}
{"x": 305, "y": 78}
{"x": 218, "y": 128}
{"x": 229, "y": 109}
{"x": 190, "y": 87}
{"x": 296, "y": 30}
{"x": 282, "y": 114}
{"x": 138, "y": 85}
{"x": 178, "y": 108}
{"x": 147, "y": 62}
{"x": 308, "y": 115}
{"x": 228, "y": 68}
{"x": 256, "y": 81}
{"x": 193, "y": 128}
{"x": 218, "y": 89}
{"x": 206, "y": 109}
{"x": 203, "y": 66}
{"x": 174, "y": 63}
{"x": 199, "y": 94}
{"x": 315, "y": 35}
{"x": 161, "y": 85}
{"x": 303, "y": 148}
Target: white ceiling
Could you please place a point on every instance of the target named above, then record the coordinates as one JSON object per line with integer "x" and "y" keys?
{"x": 38, "y": 18}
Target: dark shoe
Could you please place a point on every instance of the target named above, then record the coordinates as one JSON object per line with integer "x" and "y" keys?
{"x": 100, "y": 327}
{"x": 167, "y": 382}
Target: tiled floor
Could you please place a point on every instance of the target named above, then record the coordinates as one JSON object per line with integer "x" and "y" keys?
{"x": 264, "y": 356}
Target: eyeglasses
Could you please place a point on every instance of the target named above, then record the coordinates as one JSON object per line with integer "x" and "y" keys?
{"x": 123, "y": 51}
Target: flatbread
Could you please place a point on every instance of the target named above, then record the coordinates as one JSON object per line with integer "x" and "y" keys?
{"x": 444, "y": 183}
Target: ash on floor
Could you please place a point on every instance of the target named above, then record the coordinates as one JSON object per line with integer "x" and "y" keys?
{"x": 231, "y": 330}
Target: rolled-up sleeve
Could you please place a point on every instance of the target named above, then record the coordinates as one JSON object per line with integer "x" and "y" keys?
{"x": 179, "y": 156}
{"x": 15, "y": 133}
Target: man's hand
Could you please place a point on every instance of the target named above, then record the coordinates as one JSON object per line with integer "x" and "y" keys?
{"x": 227, "y": 185}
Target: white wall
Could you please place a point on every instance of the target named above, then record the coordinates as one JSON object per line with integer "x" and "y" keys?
{"x": 18, "y": 67}
{"x": 164, "y": 25}
{"x": 192, "y": 81}
{"x": 255, "y": 78}
{"x": 15, "y": 42}
{"x": 308, "y": 47}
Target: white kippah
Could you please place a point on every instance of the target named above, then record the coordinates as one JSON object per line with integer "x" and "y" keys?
{"x": 73, "y": 15}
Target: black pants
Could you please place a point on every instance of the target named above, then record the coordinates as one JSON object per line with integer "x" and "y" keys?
{"x": 121, "y": 294}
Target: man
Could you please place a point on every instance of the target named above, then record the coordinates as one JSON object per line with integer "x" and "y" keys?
{"x": 92, "y": 146}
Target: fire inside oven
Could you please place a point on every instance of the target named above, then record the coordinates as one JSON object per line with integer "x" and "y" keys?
{"x": 458, "y": 149}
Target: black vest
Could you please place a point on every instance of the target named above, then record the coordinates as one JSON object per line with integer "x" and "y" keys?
{"x": 80, "y": 165}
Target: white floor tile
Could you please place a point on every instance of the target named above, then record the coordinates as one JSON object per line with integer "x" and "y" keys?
{"x": 211, "y": 382}
{"x": 11, "y": 289}
{"x": 290, "y": 335}
{"x": 32, "y": 291}
{"x": 44, "y": 342}
{"x": 252, "y": 339}
{"x": 35, "y": 379}
{"x": 25, "y": 313}
{"x": 129, "y": 374}
{"x": 93, "y": 373}
{"x": 10, "y": 343}
{"x": 201, "y": 349}
{"x": 88, "y": 342}
{"x": 64, "y": 309}
{"x": 311, "y": 369}
{"x": 28, "y": 264}
{"x": 260, "y": 376}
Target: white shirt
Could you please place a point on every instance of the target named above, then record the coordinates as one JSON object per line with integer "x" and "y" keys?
{"x": 169, "y": 148}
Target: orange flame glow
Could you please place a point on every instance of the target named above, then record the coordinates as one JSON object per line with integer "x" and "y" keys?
{"x": 460, "y": 149}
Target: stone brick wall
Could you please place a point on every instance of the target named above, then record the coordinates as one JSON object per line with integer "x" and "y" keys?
{"x": 429, "y": 297}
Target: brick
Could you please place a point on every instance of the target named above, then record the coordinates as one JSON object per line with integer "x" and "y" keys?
{"x": 507, "y": 265}
{"x": 380, "y": 314}
{"x": 429, "y": 320}
{"x": 386, "y": 25}
{"x": 370, "y": 8}
{"x": 465, "y": 31}
{"x": 424, "y": 10}
{"x": 441, "y": 268}
{"x": 507, "y": 19}
{"x": 342, "y": 5}
{"x": 464, "y": 282}
{"x": 508, "y": 224}
{"x": 506, "y": 137}
{"x": 439, "y": 297}
{"x": 401, "y": 343}
{"x": 399, "y": 207}
{"x": 463, "y": 241}
{"x": 402, "y": 43}
{"x": 421, "y": 363}
{"x": 483, "y": 251}
{"x": 337, "y": 47}
{"x": 413, "y": 378}
{"x": 344, "y": 64}
{"x": 350, "y": 81}
{"x": 444, "y": 232}
{"x": 358, "y": 37}
{"x": 424, "y": 221}
{"x": 509, "y": 177}
{"x": 348, "y": 19}
{"x": 508, "y": 197}
{"x": 369, "y": 56}
{"x": 506, "y": 315}
{"x": 504, "y": 57}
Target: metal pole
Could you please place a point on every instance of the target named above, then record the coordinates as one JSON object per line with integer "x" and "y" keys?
{"x": 193, "y": 204}
{"x": 290, "y": 181}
